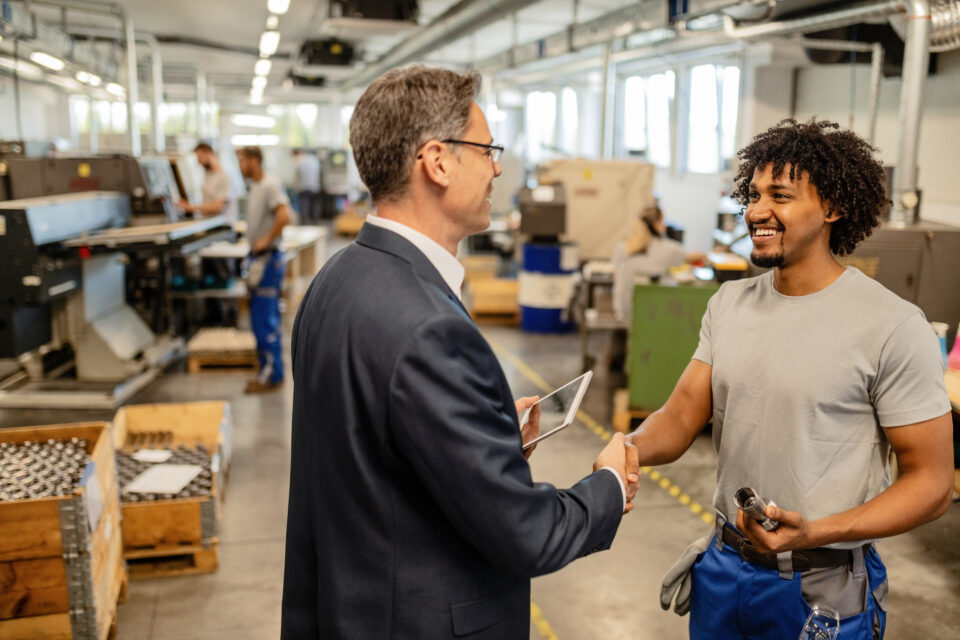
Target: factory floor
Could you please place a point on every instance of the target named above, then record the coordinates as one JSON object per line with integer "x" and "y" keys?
{"x": 606, "y": 596}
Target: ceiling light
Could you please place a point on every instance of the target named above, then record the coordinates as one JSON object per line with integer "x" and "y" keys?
{"x": 115, "y": 89}
{"x": 256, "y": 98}
{"x": 253, "y": 120}
{"x": 278, "y": 7}
{"x": 272, "y": 22}
{"x": 259, "y": 83}
{"x": 262, "y": 67}
{"x": 83, "y": 77}
{"x": 47, "y": 60}
{"x": 95, "y": 81}
{"x": 269, "y": 41}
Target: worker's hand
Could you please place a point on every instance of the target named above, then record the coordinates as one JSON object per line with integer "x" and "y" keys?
{"x": 793, "y": 532}
{"x": 185, "y": 206}
{"x": 531, "y": 429}
{"x": 260, "y": 244}
{"x": 623, "y": 459}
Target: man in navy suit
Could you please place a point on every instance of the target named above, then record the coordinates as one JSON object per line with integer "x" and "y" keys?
{"x": 412, "y": 511}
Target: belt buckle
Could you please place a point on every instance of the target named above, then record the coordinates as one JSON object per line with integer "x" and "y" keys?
{"x": 745, "y": 548}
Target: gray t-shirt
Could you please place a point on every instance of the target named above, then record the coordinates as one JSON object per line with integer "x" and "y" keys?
{"x": 216, "y": 186}
{"x": 803, "y": 384}
{"x": 264, "y": 198}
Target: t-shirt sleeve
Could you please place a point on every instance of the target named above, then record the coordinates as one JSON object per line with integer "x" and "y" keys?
{"x": 704, "y": 352}
{"x": 909, "y": 387}
{"x": 221, "y": 187}
{"x": 275, "y": 198}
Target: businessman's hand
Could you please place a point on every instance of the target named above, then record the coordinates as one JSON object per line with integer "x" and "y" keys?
{"x": 531, "y": 429}
{"x": 623, "y": 458}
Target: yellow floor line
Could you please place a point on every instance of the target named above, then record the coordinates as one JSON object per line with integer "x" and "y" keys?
{"x": 543, "y": 627}
{"x": 604, "y": 433}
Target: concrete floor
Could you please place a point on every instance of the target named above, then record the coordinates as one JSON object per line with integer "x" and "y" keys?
{"x": 606, "y": 596}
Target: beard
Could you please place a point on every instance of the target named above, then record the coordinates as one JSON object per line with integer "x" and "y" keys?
{"x": 767, "y": 261}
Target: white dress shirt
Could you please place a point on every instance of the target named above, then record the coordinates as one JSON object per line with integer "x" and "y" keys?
{"x": 452, "y": 273}
{"x": 449, "y": 267}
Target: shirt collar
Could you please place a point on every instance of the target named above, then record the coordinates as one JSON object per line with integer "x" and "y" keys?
{"x": 449, "y": 267}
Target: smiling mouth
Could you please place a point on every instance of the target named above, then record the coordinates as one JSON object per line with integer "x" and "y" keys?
{"x": 763, "y": 235}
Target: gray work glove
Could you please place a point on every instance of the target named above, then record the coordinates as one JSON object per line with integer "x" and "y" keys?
{"x": 678, "y": 579}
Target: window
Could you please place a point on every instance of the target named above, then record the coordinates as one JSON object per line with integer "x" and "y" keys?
{"x": 714, "y": 95}
{"x": 541, "y": 121}
{"x": 570, "y": 119}
{"x": 646, "y": 116}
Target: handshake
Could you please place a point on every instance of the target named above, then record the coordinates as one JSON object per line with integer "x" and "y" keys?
{"x": 619, "y": 455}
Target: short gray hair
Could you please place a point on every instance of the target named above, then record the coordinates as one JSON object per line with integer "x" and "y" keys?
{"x": 400, "y": 112}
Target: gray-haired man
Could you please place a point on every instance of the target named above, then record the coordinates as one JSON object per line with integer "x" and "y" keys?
{"x": 412, "y": 510}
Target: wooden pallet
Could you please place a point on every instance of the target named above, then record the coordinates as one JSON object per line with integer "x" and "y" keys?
{"x": 197, "y": 363}
{"x": 36, "y": 559}
{"x": 511, "y": 319}
{"x": 221, "y": 347}
{"x": 623, "y": 416}
{"x": 172, "y": 561}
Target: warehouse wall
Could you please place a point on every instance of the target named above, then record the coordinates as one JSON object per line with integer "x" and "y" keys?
{"x": 824, "y": 91}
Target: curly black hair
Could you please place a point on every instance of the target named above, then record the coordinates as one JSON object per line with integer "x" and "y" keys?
{"x": 838, "y": 163}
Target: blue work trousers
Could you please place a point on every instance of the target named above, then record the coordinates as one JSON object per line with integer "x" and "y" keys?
{"x": 733, "y": 599}
{"x": 265, "y": 320}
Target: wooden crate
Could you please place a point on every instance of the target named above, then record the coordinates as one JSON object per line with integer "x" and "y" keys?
{"x": 61, "y": 564}
{"x": 221, "y": 347}
{"x": 158, "y": 534}
{"x": 492, "y": 298}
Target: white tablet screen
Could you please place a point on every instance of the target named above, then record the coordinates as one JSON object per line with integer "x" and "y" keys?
{"x": 559, "y": 409}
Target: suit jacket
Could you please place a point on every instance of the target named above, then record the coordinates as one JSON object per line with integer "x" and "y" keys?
{"x": 412, "y": 512}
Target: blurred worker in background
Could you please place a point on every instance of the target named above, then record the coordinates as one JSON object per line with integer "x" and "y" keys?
{"x": 306, "y": 182}
{"x": 812, "y": 373}
{"x": 217, "y": 195}
{"x": 645, "y": 255}
{"x": 268, "y": 212}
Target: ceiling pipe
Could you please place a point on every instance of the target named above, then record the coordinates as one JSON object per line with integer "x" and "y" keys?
{"x": 156, "y": 76}
{"x": 916, "y": 62}
{"x": 819, "y": 22}
{"x": 876, "y": 71}
{"x": 463, "y": 17}
{"x": 129, "y": 36}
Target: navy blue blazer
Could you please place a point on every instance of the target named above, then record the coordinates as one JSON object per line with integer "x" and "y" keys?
{"x": 412, "y": 511}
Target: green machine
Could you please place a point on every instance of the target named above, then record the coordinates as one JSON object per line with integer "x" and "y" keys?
{"x": 664, "y": 333}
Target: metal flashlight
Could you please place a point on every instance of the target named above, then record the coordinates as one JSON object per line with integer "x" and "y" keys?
{"x": 753, "y": 505}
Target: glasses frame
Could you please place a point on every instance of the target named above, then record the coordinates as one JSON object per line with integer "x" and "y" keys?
{"x": 495, "y": 150}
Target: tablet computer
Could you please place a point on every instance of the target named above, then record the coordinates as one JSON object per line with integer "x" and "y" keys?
{"x": 559, "y": 409}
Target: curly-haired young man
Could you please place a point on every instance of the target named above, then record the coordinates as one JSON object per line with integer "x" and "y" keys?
{"x": 811, "y": 373}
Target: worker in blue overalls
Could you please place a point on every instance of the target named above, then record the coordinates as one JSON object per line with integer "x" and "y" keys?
{"x": 811, "y": 373}
{"x": 268, "y": 212}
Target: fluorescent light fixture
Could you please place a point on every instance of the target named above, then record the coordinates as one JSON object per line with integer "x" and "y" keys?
{"x": 269, "y": 42}
{"x": 115, "y": 89}
{"x": 272, "y": 22}
{"x": 256, "y": 98}
{"x": 278, "y": 7}
{"x": 253, "y": 120}
{"x": 259, "y": 83}
{"x": 95, "y": 81}
{"x": 252, "y": 139}
{"x": 47, "y": 60}
{"x": 262, "y": 67}
{"x": 83, "y": 77}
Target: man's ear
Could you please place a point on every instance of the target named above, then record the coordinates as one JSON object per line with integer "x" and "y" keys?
{"x": 833, "y": 214}
{"x": 434, "y": 163}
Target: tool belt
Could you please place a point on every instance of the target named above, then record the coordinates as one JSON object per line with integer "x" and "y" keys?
{"x": 803, "y": 559}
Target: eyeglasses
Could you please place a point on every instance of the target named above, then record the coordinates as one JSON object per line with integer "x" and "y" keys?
{"x": 494, "y": 151}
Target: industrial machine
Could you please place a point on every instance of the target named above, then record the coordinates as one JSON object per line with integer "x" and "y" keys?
{"x": 150, "y": 182}
{"x": 63, "y": 304}
{"x": 920, "y": 263}
{"x": 602, "y": 198}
